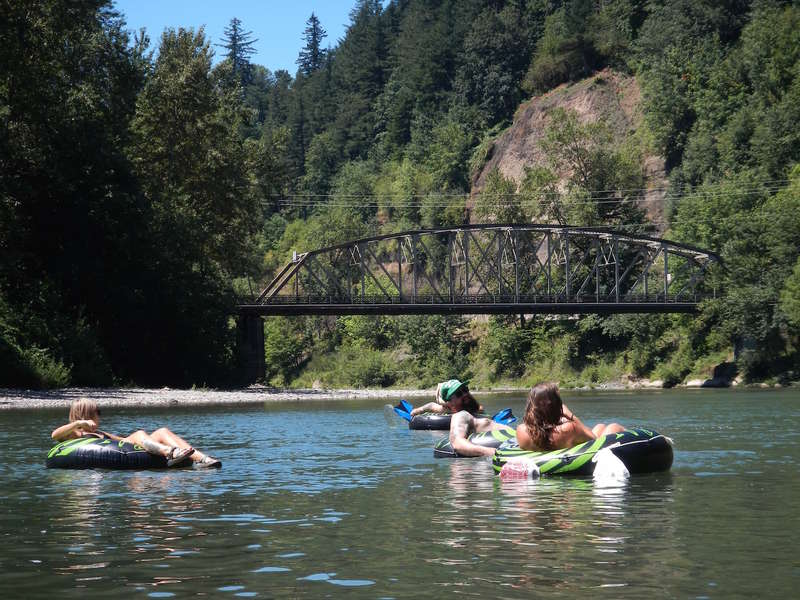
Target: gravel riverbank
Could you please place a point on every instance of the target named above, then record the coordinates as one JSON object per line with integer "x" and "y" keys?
{"x": 133, "y": 397}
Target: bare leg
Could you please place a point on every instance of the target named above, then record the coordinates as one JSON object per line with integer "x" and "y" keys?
{"x": 602, "y": 429}
{"x": 170, "y": 438}
{"x": 159, "y": 445}
{"x": 144, "y": 440}
{"x": 165, "y": 436}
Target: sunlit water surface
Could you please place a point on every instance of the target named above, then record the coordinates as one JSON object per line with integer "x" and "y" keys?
{"x": 328, "y": 499}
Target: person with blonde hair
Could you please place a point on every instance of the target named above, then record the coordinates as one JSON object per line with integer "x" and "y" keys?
{"x": 84, "y": 420}
{"x": 549, "y": 425}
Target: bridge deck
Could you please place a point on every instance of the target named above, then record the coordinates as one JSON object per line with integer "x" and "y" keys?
{"x": 477, "y": 308}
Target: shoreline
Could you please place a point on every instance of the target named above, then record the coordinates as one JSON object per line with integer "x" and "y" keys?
{"x": 19, "y": 399}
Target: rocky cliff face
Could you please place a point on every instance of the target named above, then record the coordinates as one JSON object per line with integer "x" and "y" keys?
{"x": 607, "y": 96}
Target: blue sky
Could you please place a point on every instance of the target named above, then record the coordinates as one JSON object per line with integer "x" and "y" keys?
{"x": 277, "y": 24}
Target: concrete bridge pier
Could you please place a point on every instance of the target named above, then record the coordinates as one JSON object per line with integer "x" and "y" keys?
{"x": 250, "y": 347}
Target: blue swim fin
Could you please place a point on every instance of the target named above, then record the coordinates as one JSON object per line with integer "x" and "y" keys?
{"x": 403, "y": 410}
{"x": 504, "y": 417}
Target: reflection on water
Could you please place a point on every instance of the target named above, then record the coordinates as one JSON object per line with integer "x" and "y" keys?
{"x": 329, "y": 500}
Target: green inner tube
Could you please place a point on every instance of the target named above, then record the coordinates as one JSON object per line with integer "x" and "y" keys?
{"x": 96, "y": 453}
{"x": 640, "y": 450}
{"x": 488, "y": 439}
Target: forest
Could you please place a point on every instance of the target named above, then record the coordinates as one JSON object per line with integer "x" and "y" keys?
{"x": 148, "y": 185}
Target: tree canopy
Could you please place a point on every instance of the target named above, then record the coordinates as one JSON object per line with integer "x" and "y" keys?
{"x": 147, "y": 185}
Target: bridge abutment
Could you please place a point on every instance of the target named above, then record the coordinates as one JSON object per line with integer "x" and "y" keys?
{"x": 250, "y": 348}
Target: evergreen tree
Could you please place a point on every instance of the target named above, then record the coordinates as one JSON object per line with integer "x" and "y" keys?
{"x": 298, "y": 143}
{"x": 790, "y": 297}
{"x": 239, "y": 44}
{"x": 271, "y": 168}
{"x": 280, "y": 99}
{"x": 424, "y": 57}
{"x": 565, "y": 51}
{"x": 312, "y": 56}
{"x": 359, "y": 73}
{"x": 494, "y": 61}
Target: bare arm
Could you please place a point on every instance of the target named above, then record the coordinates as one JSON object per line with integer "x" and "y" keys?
{"x": 111, "y": 436}
{"x": 577, "y": 423}
{"x": 579, "y": 431}
{"x": 429, "y": 407}
{"x": 571, "y": 433}
{"x": 73, "y": 430}
{"x": 459, "y": 430}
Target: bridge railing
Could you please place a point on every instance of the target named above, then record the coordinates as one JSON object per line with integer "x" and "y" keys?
{"x": 479, "y": 299}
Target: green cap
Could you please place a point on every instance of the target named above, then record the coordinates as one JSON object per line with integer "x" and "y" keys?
{"x": 450, "y": 387}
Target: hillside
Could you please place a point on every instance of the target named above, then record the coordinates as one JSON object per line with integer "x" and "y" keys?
{"x": 607, "y": 96}
{"x": 146, "y": 190}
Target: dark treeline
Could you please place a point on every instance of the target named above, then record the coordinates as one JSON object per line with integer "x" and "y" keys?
{"x": 145, "y": 186}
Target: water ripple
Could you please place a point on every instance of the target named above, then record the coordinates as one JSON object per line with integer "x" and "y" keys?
{"x": 326, "y": 500}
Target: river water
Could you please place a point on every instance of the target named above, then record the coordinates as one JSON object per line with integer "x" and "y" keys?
{"x": 328, "y": 499}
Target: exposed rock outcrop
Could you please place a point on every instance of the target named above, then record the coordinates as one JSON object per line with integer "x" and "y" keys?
{"x": 607, "y": 96}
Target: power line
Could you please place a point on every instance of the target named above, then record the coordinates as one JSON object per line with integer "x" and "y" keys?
{"x": 499, "y": 200}
{"x": 443, "y": 200}
{"x": 755, "y": 184}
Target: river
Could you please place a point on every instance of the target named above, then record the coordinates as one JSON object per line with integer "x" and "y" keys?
{"x": 329, "y": 499}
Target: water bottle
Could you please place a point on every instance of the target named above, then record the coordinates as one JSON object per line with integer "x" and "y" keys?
{"x": 519, "y": 469}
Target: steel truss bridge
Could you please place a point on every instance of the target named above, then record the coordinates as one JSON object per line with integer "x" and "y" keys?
{"x": 491, "y": 269}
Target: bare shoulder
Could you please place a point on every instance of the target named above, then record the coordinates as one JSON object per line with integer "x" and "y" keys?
{"x": 524, "y": 437}
{"x": 462, "y": 417}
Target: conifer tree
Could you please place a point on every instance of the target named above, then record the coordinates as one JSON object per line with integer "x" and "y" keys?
{"x": 312, "y": 56}
{"x": 359, "y": 74}
{"x": 239, "y": 44}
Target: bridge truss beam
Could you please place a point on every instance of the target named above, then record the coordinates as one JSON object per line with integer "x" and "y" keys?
{"x": 491, "y": 269}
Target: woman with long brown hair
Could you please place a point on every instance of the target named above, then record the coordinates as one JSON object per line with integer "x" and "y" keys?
{"x": 549, "y": 425}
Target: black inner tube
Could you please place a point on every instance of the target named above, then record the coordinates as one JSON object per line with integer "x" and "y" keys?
{"x": 96, "y": 453}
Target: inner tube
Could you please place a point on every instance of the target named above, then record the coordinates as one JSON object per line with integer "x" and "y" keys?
{"x": 488, "y": 439}
{"x": 430, "y": 421}
{"x": 638, "y": 451}
{"x": 436, "y": 421}
{"x": 96, "y": 453}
